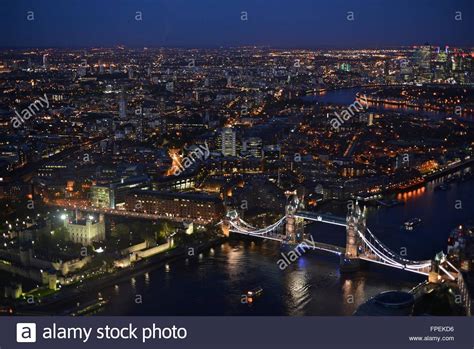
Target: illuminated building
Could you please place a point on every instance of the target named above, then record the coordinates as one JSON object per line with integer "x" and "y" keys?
{"x": 272, "y": 153}
{"x": 345, "y": 67}
{"x": 182, "y": 182}
{"x": 101, "y": 196}
{"x": 122, "y": 107}
{"x": 112, "y": 195}
{"x": 195, "y": 206}
{"x": 253, "y": 147}
{"x": 370, "y": 120}
{"x": 45, "y": 61}
{"x": 423, "y": 62}
{"x": 228, "y": 139}
{"x": 85, "y": 231}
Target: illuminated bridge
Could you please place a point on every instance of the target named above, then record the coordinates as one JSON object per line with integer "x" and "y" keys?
{"x": 361, "y": 242}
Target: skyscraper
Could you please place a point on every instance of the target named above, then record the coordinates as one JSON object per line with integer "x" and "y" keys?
{"x": 45, "y": 61}
{"x": 228, "y": 137}
{"x": 140, "y": 126}
{"x": 370, "y": 120}
{"x": 253, "y": 147}
{"x": 122, "y": 106}
{"x": 423, "y": 62}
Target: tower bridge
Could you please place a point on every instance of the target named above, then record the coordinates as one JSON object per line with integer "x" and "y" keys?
{"x": 361, "y": 242}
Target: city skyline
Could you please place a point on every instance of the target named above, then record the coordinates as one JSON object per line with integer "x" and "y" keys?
{"x": 175, "y": 172}
{"x": 132, "y": 155}
{"x": 308, "y": 158}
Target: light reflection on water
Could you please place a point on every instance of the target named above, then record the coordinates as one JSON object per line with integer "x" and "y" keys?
{"x": 147, "y": 279}
{"x": 346, "y": 96}
{"x": 213, "y": 283}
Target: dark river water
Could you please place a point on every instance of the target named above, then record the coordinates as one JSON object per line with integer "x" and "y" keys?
{"x": 348, "y": 95}
{"x": 213, "y": 282}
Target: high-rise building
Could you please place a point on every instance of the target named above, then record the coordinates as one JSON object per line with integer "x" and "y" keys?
{"x": 122, "y": 106}
{"x": 345, "y": 67}
{"x": 423, "y": 62}
{"x": 370, "y": 120}
{"x": 423, "y": 56}
{"x": 253, "y": 147}
{"x": 45, "y": 61}
{"x": 140, "y": 127}
{"x": 386, "y": 68}
{"x": 228, "y": 139}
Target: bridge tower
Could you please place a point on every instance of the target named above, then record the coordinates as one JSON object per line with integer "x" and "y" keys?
{"x": 356, "y": 222}
{"x": 434, "y": 275}
{"x": 442, "y": 270}
{"x": 294, "y": 227}
{"x": 225, "y": 226}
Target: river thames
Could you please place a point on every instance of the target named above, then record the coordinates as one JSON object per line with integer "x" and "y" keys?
{"x": 346, "y": 96}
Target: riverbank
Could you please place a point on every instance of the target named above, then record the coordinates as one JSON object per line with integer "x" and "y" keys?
{"x": 431, "y": 176}
{"x": 57, "y": 302}
{"x": 372, "y": 97}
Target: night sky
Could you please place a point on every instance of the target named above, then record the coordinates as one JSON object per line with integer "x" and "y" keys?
{"x": 214, "y": 23}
